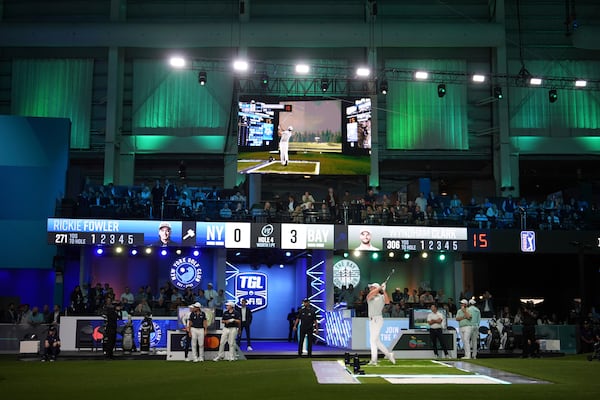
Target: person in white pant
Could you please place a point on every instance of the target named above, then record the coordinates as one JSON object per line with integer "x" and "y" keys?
{"x": 231, "y": 322}
{"x": 475, "y": 321}
{"x": 376, "y": 300}
{"x": 464, "y": 326}
{"x": 197, "y": 326}
{"x": 284, "y": 144}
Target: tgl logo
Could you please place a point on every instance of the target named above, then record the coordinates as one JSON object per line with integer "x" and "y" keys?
{"x": 252, "y": 286}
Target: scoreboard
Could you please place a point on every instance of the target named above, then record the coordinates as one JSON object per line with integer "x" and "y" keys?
{"x": 249, "y": 235}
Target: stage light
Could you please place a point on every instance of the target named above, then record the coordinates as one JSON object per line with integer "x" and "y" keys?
{"x": 424, "y": 254}
{"x": 324, "y": 84}
{"x": 196, "y": 253}
{"x": 375, "y": 256}
{"x": 148, "y": 250}
{"x": 134, "y": 252}
{"x": 99, "y": 251}
{"x": 346, "y": 254}
{"x": 202, "y": 78}
{"x": 118, "y": 249}
{"x": 580, "y": 83}
{"x": 421, "y": 75}
{"x": 442, "y": 257}
{"x": 478, "y": 78}
{"x": 356, "y": 253}
{"x": 535, "y": 81}
{"x": 264, "y": 81}
{"x": 177, "y": 62}
{"x": 281, "y": 266}
{"x": 288, "y": 253}
{"x": 552, "y": 95}
{"x": 383, "y": 87}
{"x": 363, "y": 72}
{"x": 406, "y": 256}
{"x": 163, "y": 252}
{"x": 178, "y": 252}
{"x": 441, "y": 90}
{"x": 240, "y": 65}
{"x": 302, "y": 68}
{"x": 498, "y": 92}
{"x": 391, "y": 254}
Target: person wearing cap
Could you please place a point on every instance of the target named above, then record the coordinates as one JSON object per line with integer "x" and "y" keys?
{"x": 51, "y": 345}
{"x": 231, "y": 322}
{"x": 436, "y": 322}
{"x": 475, "y": 321}
{"x": 284, "y": 143}
{"x": 307, "y": 318}
{"x": 365, "y": 241}
{"x": 377, "y": 298}
{"x": 164, "y": 235}
{"x": 110, "y": 330}
{"x": 463, "y": 316}
{"x": 197, "y": 325}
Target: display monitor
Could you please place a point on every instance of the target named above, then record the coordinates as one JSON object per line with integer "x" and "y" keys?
{"x": 418, "y": 317}
{"x": 314, "y": 136}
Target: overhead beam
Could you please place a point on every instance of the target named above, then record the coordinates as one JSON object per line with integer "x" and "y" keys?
{"x": 251, "y": 34}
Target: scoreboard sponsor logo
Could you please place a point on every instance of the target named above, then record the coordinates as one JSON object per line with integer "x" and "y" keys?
{"x": 528, "y": 242}
{"x": 265, "y": 236}
{"x": 252, "y": 286}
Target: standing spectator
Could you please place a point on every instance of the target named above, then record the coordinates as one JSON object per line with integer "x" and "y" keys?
{"x": 436, "y": 322}
{"x": 291, "y": 318}
{"x": 332, "y": 203}
{"x": 245, "y": 321}
{"x": 307, "y": 318}
{"x": 211, "y": 294}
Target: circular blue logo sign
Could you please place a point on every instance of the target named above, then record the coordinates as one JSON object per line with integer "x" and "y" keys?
{"x": 186, "y": 273}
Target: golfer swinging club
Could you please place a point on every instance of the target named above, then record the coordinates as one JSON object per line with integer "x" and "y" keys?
{"x": 284, "y": 143}
{"x": 376, "y": 300}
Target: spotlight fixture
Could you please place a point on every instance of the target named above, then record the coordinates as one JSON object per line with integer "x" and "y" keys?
{"x": 202, "y": 78}
{"x": 441, "y": 90}
{"x": 302, "y": 68}
{"x": 580, "y": 83}
{"x": 240, "y": 65}
{"x": 177, "y": 62}
{"x": 478, "y": 78}
{"x": 363, "y": 72}
{"x": 264, "y": 81}
{"x": 552, "y": 95}
{"x": 421, "y": 75}
{"x": 383, "y": 87}
{"x": 535, "y": 81}
{"x": 498, "y": 92}
{"x": 324, "y": 84}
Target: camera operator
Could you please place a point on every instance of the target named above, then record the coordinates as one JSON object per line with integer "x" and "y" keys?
{"x": 529, "y": 344}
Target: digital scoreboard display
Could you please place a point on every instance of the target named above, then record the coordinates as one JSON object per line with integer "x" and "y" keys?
{"x": 287, "y": 236}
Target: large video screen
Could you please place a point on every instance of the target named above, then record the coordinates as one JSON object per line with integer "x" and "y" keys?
{"x": 318, "y": 136}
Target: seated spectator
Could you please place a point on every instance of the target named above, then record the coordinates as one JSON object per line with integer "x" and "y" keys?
{"x": 225, "y": 212}
{"x": 142, "y": 308}
{"x": 481, "y": 219}
{"x": 51, "y": 345}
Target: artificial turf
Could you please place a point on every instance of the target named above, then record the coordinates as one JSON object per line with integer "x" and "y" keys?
{"x": 572, "y": 377}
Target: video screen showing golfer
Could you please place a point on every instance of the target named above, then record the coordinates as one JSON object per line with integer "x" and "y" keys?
{"x": 284, "y": 143}
{"x": 365, "y": 241}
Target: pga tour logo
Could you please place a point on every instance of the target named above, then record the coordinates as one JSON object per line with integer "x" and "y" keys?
{"x": 252, "y": 286}
{"x": 186, "y": 273}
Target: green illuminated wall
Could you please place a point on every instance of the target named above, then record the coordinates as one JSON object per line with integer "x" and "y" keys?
{"x": 55, "y": 88}
{"x": 417, "y": 119}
